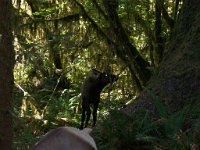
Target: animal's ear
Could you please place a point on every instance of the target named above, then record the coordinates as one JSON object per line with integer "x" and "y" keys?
{"x": 96, "y": 72}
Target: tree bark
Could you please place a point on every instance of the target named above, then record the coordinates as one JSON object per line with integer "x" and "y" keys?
{"x": 6, "y": 74}
{"x": 158, "y": 49}
{"x": 177, "y": 82}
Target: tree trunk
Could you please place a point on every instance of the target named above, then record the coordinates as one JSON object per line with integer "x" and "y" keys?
{"x": 177, "y": 82}
{"x": 6, "y": 74}
{"x": 158, "y": 54}
{"x": 126, "y": 51}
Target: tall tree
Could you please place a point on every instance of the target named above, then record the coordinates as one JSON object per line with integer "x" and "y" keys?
{"x": 158, "y": 31}
{"x": 6, "y": 74}
{"x": 177, "y": 82}
{"x": 138, "y": 66}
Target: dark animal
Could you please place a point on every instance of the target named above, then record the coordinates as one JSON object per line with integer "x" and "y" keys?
{"x": 91, "y": 89}
{"x": 66, "y": 138}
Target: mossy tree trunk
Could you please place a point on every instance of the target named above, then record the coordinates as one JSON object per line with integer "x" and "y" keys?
{"x": 158, "y": 54}
{"x": 177, "y": 82}
{"x": 6, "y": 74}
{"x": 125, "y": 50}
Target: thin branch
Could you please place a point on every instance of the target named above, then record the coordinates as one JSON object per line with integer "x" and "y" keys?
{"x": 93, "y": 23}
{"x": 165, "y": 14}
{"x": 69, "y": 18}
{"x": 144, "y": 25}
{"x": 176, "y": 9}
{"x": 99, "y": 9}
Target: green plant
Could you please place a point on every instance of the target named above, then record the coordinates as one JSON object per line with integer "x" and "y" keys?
{"x": 178, "y": 131}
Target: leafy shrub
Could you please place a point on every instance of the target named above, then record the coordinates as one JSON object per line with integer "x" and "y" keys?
{"x": 178, "y": 131}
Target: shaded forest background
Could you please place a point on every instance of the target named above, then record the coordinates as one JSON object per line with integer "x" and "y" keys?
{"x": 152, "y": 45}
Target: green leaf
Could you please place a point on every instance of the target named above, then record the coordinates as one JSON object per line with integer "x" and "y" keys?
{"x": 158, "y": 104}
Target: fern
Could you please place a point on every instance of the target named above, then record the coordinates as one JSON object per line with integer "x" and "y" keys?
{"x": 158, "y": 104}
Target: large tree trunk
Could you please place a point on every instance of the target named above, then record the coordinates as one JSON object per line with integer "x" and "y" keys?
{"x": 177, "y": 82}
{"x": 6, "y": 74}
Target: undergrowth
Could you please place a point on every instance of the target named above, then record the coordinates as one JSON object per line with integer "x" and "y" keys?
{"x": 139, "y": 131}
{"x": 43, "y": 112}
{"x": 116, "y": 130}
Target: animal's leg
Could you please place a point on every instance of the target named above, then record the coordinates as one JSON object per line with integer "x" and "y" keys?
{"x": 88, "y": 115}
{"x": 83, "y": 117}
{"x": 95, "y": 114}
